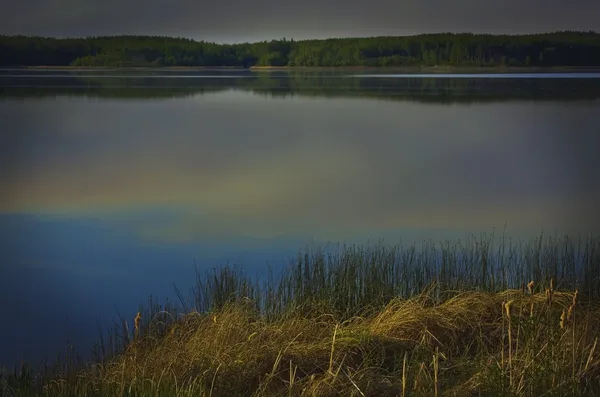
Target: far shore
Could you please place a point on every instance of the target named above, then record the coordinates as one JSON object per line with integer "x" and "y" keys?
{"x": 166, "y": 68}
{"x": 442, "y": 69}
{"x": 396, "y": 69}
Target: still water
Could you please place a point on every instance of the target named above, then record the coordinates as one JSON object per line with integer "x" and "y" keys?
{"x": 115, "y": 184}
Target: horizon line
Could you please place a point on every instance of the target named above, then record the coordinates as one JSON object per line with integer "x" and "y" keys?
{"x": 284, "y": 38}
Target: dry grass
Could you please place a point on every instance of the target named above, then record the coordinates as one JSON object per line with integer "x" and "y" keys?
{"x": 412, "y": 347}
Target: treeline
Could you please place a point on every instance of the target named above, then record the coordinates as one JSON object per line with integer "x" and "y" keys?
{"x": 537, "y": 50}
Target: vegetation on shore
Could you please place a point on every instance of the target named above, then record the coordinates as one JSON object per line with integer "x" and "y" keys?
{"x": 473, "y": 50}
{"x": 366, "y": 321}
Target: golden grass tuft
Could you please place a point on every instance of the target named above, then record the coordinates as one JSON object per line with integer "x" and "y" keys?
{"x": 409, "y": 347}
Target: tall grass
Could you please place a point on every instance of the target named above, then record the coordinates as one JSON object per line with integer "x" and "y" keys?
{"x": 382, "y": 310}
{"x": 350, "y": 278}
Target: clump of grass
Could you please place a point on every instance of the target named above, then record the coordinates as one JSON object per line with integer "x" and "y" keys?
{"x": 414, "y": 346}
{"x": 363, "y": 320}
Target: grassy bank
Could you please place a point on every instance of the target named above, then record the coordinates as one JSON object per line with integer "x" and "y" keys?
{"x": 141, "y": 68}
{"x": 437, "y": 69}
{"x": 454, "y": 319}
{"x": 387, "y": 69}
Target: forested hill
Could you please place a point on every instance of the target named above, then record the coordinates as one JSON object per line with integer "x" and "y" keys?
{"x": 539, "y": 50}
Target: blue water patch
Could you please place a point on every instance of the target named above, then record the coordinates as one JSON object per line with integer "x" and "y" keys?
{"x": 72, "y": 274}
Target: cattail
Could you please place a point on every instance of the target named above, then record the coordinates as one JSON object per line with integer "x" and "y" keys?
{"x": 530, "y": 287}
{"x": 572, "y": 307}
{"x": 570, "y": 312}
{"x": 136, "y": 320}
{"x": 563, "y": 318}
{"x": 507, "y": 306}
{"x": 136, "y": 323}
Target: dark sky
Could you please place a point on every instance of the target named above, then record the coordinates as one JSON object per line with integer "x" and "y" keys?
{"x": 244, "y": 20}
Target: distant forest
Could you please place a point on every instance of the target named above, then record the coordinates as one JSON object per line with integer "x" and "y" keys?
{"x": 536, "y": 50}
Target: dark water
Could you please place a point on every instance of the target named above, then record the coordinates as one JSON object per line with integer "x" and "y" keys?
{"x": 114, "y": 184}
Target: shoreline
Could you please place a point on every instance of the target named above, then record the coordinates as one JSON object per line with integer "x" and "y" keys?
{"x": 407, "y": 69}
{"x": 109, "y": 68}
{"x": 440, "y": 69}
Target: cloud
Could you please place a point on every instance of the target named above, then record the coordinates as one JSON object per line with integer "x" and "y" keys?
{"x": 239, "y": 20}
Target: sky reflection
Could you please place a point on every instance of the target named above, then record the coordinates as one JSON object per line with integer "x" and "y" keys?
{"x": 107, "y": 200}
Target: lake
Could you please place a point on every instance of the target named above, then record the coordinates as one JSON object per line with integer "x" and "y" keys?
{"x": 116, "y": 184}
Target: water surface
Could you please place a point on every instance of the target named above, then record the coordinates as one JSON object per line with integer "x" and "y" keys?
{"x": 116, "y": 183}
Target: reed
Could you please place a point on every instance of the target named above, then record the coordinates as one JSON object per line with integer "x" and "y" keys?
{"x": 360, "y": 320}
